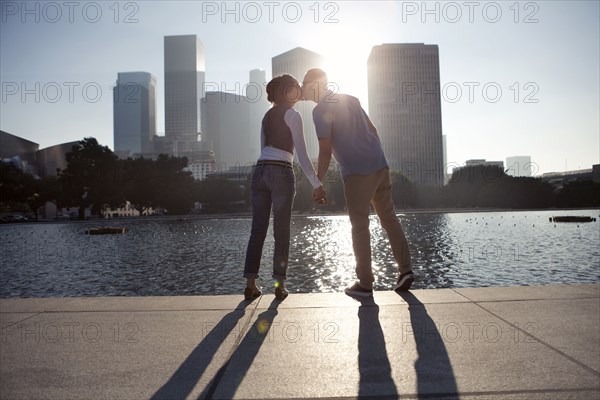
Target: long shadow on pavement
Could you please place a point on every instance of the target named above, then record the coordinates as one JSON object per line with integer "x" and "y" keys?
{"x": 435, "y": 377}
{"x": 183, "y": 381}
{"x": 376, "y": 380}
{"x": 227, "y": 381}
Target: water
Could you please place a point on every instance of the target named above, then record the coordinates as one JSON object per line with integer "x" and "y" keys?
{"x": 206, "y": 256}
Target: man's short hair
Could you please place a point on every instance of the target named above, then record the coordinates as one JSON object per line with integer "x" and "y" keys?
{"x": 315, "y": 74}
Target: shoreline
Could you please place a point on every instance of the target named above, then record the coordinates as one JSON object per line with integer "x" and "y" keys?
{"x": 399, "y": 211}
{"x": 267, "y": 288}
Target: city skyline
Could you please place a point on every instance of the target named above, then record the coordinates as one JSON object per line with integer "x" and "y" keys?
{"x": 545, "y": 66}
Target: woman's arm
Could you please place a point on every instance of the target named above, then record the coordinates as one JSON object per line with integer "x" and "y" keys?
{"x": 293, "y": 119}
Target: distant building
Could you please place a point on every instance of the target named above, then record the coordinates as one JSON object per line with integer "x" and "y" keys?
{"x": 126, "y": 211}
{"x": 184, "y": 89}
{"x": 50, "y": 161}
{"x": 296, "y": 62}
{"x": 162, "y": 145}
{"x": 237, "y": 174}
{"x": 519, "y": 166}
{"x": 134, "y": 115}
{"x": 228, "y": 131}
{"x": 256, "y": 96}
{"x": 53, "y": 159}
{"x": 560, "y": 179}
{"x": 475, "y": 162}
{"x": 405, "y": 106}
{"x": 446, "y": 175}
{"x": 27, "y": 156}
{"x": 200, "y": 168}
{"x": 233, "y": 123}
{"x": 19, "y": 152}
{"x": 46, "y": 162}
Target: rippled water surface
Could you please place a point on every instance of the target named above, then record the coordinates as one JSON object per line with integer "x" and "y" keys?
{"x": 182, "y": 257}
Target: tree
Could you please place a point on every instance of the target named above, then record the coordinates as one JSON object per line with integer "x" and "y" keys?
{"x": 174, "y": 185}
{"x": 158, "y": 183}
{"x": 221, "y": 195}
{"x": 404, "y": 192}
{"x": 34, "y": 193}
{"x": 140, "y": 183}
{"x": 51, "y": 190}
{"x": 335, "y": 191}
{"x": 583, "y": 193}
{"x": 25, "y": 192}
{"x": 12, "y": 181}
{"x": 333, "y": 185}
{"x": 92, "y": 177}
{"x": 467, "y": 182}
{"x": 517, "y": 192}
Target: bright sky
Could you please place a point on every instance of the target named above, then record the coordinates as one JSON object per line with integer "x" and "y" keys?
{"x": 517, "y": 78}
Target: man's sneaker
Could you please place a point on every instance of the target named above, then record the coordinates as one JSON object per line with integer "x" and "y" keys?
{"x": 281, "y": 292}
{"x": 252, "y": 293}
{"x": 405, "y": 280}
{"x": 358, "y": 291}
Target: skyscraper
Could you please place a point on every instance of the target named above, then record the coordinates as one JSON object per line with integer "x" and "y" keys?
{"x": 296, "y": 62}
{"x": 519, "y": 166}
{"x": 258, "y": 105}
{"x": 445, "y": 159}
{"x": 227, "y": 132}
{"x": 184, "y": 89}
{"x": 405, "y": 106}
{"x": 256, "y": 89}
{"x": 134, "y": 113}
{"x": 233, "y": 123}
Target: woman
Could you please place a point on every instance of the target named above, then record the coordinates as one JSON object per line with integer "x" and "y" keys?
{"x": 273, "y": 182}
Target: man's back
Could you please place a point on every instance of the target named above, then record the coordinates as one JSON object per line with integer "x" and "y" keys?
{"x": 355, "y": 145}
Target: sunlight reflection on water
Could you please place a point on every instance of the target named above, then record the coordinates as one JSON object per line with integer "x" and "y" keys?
{"x": 206, "y": 256}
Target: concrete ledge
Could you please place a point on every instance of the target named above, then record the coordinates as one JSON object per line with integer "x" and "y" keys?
{"x": 538, "y": 342}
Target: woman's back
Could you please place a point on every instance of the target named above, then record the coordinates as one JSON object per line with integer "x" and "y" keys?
{"x": 276, "y": 131}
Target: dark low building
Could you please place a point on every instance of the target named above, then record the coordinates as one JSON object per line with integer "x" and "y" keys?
{"x": 560, "y": 179}
{"x": 53, "y": 159}
{"x": 27, "y": 156}
{"x": 20, "y": 151}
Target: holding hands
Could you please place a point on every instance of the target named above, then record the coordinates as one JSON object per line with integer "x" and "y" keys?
{"x": 320, "y": 195}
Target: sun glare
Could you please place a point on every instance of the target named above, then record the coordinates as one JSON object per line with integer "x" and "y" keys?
{"x": 346, "y": 68}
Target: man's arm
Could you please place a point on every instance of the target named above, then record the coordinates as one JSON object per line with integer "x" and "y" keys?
{"x": 319, "y": 194}
{"x": 324, "y": 157}
{"x": 372, "y": 127}
{"x": 323, "y": 127}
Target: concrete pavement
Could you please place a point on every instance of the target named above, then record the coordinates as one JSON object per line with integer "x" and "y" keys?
{"x": 534, "y": 342}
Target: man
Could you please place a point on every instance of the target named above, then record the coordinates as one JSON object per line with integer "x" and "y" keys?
{"x": 345, "y": 130}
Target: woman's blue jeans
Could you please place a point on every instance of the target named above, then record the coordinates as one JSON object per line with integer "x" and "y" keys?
{"x": 272, "y": 186}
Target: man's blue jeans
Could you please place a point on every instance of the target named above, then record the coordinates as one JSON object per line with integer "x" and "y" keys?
{"x": 272, "y": 186}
